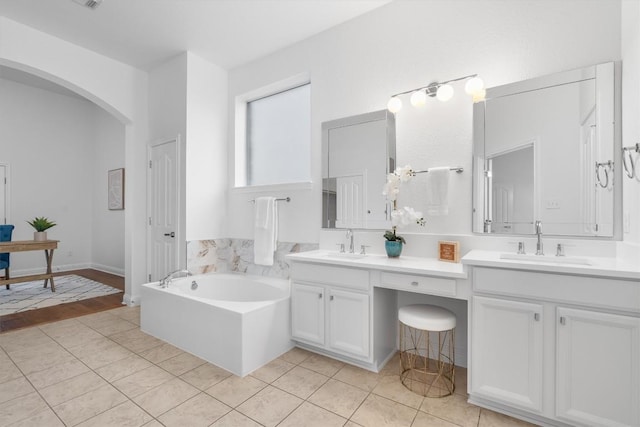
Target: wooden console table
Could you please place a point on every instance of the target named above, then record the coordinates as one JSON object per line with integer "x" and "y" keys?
{"x": 31, "y": 245}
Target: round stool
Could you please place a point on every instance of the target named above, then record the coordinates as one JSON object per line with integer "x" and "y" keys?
{"x": 427, "y": 362}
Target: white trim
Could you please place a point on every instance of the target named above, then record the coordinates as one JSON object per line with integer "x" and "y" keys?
{"x": 240, "y": 149}
{"x": 7, "y": 194}
{"x": 108, "y": 269}
{"x": 273, "y": 187}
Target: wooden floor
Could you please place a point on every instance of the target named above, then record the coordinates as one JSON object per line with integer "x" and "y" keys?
{"x": 71, "y": 309}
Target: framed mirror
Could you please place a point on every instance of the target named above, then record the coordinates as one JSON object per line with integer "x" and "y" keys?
{"x": 357, "y": 154}
{"x": 544, "y": 150}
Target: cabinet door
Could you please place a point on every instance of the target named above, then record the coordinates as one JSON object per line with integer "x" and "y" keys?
{"x": 506, "y": 352}
{"x": 307, "y": 313}
{"x": 598, "y": 364}
{"x": 349, "y": 322}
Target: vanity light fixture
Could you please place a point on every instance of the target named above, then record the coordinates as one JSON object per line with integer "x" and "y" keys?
{"x": 441, "y": 90}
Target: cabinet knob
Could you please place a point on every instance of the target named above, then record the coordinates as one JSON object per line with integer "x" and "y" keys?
{"x": 331, "y": 298}
{"x": 536, "y": 316}
{"x": 414, "y": 283}
{"x": 563, "y": 320}
{"x": 319, "y": 296}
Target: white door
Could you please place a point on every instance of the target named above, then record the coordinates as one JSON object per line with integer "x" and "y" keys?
{"x": 307, "y": 313}
{"x": 163, "y": 238}
{"x": 4, "y": 200}
{"x": 598, "y": 368}
{"x": 349, "y": 198}
{"x": 349, "y": 322}
{"x": 506, "y": 352}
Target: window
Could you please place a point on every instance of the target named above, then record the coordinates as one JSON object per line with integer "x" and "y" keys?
{"x": 278, "y": 137}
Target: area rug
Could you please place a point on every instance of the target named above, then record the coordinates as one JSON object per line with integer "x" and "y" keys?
{"x": 31, "y": 295}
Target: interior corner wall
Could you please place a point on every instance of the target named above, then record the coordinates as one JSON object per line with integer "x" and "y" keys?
{"x": 107, "y": 253}
{"x": 356, "y": 66}
{"x": 47, "y": 141}
{"x": 631, "y": 114}
{"x": 206, "y": 149}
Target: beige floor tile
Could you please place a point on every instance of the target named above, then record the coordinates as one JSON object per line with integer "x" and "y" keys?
{"x": 46, "y": 418}
{"x": 296, "y": 355}
{"x": 494, "y": 419}
{"x": 113, "y": 326}
{"x": 123, "y": 368}
{"x": 338, "y": 397}
{"x": 235, "y": 419}
{"x": 15, "y": 388}
{"x": 161, "y": 353}
{"x": 309, "y": 415}
{"x": 142, "y": 381}
{"x": 9, "y": 371}
{"x": 136, "y": 340}
{"x": 153, "y": 423}
{"x": 100, "y": 352}
{"x": 452, "y": 408}
{"x": 351, "y": 424}
{"x": 392, "y": 367}
{"x": 71, "y": 388}
{"x": 40, "y": 358}
{"x": 391, "y": 388}
{"x": 269, "y": 406}
{"x": 358, "y": 377}
{"x": 205, "y": 376}
{"x": 300, "y": 382}
{"x": 322, "y": 365}
{"x": 57, "y": 373}
{"x": 377, "y": 411}
{"x": 130, "y": 314}
{"x": 127, "y": 414}
{"x": 235, "y": 390}
{"x": 88, "y": 405}
{"x": 166, "y": 396}
{"x": 23, "y": 339}
{"x": 272, "y": 370}
{"x": 425, "y": 420}
{"x": 72, "y": 334}
{"x": 21, "y": 408}
{"x": 201, "y": 410}
{"x": 182, "y": 363}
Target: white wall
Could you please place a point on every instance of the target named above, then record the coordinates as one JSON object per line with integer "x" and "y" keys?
{"x": 58, "y": 147}
{"x": 631, "y": 113}
{"x": 356, "y": 66}
{"x": 107, "y": 252}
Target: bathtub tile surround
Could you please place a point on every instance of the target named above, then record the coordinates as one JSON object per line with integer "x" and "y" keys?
{"x": 136, "y": 389}
{"x": 236, "y": 255}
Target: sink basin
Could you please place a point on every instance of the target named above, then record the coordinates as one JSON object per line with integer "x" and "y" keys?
{"x": 546, "y": 258}
{"x": 345, "y": 255}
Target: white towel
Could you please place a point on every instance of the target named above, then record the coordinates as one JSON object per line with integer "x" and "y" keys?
{"x": 265, "y": 230}
{"x": 438, "y": 191}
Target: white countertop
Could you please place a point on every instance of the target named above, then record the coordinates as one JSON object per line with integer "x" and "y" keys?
{"x": 402, "y": 264}
{"x": 600, "y": 266}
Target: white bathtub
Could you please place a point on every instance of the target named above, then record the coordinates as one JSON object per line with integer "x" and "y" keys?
{"x": 235, "y": 321}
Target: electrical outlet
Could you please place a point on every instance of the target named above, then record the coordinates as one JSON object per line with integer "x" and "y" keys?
{"x": 553, "y": 204}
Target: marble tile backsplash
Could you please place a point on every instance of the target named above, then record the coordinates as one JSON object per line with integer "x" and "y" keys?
{"x": 236, "y": 255}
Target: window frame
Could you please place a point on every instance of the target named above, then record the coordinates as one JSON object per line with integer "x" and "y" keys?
{"x": 240, "y": 149}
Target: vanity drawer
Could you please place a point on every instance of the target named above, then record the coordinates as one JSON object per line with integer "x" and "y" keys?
{"x": 420, "y": 284}
{"x": 352, "y": 278}
{"x": 593, "y": 291}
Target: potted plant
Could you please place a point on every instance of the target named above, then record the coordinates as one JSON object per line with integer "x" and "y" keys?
{"x": 399, "y": 217}
{"x": 41, "y": 225}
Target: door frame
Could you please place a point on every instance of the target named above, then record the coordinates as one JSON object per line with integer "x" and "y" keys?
{"x": 7, "y": 194}
{"x": 181, "y": 248}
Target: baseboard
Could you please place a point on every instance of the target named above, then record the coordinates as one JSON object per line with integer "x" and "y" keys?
{"x": 69, "y": 267}
{"x": 108, "y": 269}
{"x": 131, "y": 300}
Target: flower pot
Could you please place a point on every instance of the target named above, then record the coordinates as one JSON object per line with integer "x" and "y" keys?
{"x": 39, "y": 236}
{"x": 393, "y": 248}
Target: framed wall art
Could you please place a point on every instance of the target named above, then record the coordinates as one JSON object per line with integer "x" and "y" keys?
{"x": 115, "y": 194}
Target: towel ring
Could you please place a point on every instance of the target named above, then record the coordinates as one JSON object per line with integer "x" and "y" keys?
{"x": 630, "y": 170}
{"x": 605, "y": 167}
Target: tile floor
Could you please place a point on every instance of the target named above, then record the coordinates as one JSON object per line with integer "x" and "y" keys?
{"x": 101, "y": 370}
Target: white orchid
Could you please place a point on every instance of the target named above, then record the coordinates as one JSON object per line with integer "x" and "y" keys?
{"x": 406, "y": 215}
{"x": 405, "y": 173}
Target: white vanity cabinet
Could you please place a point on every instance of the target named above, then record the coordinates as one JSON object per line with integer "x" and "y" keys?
{"x": 559, "y": 349}
{"x": 332, "y": 299}
{"x": 508, "y": 352}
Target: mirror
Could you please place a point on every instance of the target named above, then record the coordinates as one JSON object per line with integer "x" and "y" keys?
{"x": 357, "y": 154}
{"x": 543, "y": 149}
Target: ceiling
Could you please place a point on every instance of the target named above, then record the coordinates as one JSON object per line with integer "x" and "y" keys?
{"x": 144, "y": 33}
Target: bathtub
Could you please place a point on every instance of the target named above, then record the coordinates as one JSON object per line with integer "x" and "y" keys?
{"x": 235, "y": 321}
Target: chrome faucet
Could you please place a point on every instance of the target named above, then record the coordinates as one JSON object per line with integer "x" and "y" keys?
{"x": 539, "y": 249}
{"x": 350, "y": 237}
{"x": 166, "y": 281}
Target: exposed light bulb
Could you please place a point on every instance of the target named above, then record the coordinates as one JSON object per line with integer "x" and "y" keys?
{"x": 419, "y": 98}
{"x": 479, "y": 95}
{"x": 473, "y": 85}
{"x": 444, "y": 93}
{"x": 394, "y": 105}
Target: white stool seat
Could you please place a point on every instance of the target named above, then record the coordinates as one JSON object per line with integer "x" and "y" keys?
{"x": 427, "y": 317}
